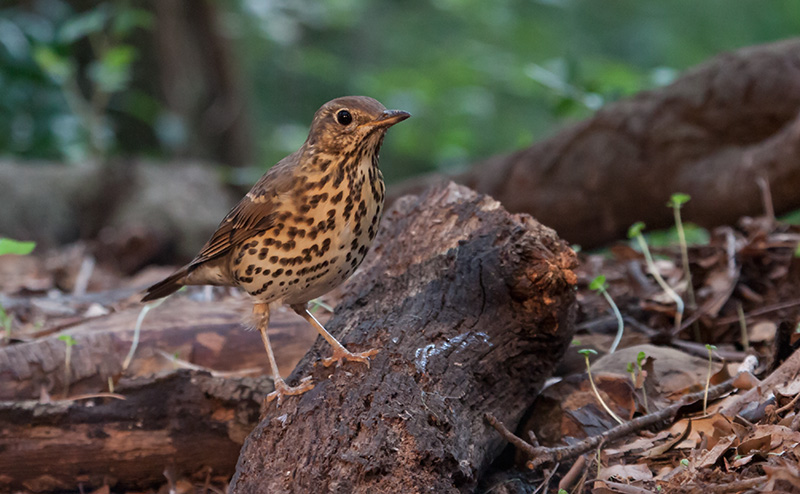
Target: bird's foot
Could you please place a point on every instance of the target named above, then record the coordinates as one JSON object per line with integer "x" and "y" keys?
{"x": 340, "y": 354}
{"x": 282, "y": 389}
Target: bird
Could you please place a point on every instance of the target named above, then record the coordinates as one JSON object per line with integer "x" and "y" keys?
{"x": 304, "y": 227}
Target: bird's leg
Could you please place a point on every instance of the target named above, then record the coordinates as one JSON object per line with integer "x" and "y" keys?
{"x": 261, "y": 311}
{"x": 339, "y": 351}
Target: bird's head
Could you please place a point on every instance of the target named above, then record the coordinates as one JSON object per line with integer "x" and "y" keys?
{"x": 351, "y": 124}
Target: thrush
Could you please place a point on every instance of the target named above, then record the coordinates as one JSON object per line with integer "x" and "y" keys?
{"x": 304, "y": 227}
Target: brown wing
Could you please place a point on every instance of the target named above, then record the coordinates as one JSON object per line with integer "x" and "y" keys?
{"x": 255, "y": 213}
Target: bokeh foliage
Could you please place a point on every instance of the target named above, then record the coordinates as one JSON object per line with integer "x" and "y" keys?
{"x": 480, "y": 77}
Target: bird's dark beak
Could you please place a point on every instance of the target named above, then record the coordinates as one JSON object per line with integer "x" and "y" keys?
{"x": 389, "y": 118}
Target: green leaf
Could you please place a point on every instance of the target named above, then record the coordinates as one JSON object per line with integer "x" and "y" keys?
{"x": 68, "y": 339}
{"x": 640, "y": 358}
{"x": 57, "y": 67}
{"x": 126, "y": 20}
{"x": 9, "y": 246}
{"x": 113, "y": 71}
{"x": 635, "y": 229}
{"x": 83, "y": 24}
{"x": 587, "y": 352}
{"x": 685, "y": 462}
{"x": 598, "y": 283}
{"x": 562, "y": 491}
{"x": 797, "y": 251}
{"x": 575, "y": 342}
{"x": 678, "y": 199}
{"x": 710, "y": 347}
{"x": 629, "y": 368}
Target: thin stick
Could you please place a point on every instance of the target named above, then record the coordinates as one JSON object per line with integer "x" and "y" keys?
{"x": 540, "y": 455}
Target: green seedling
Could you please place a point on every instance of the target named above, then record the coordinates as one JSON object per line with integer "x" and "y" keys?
{"x": 638, "y": 376}
{"x": 685, "y": 463}
{"x": 5, "y": 322}
{"x": 635, "y": 232}
{"x": 9, "y": 246}
{"x": 562, "y": 491}
{"x": 710, "y": 349}
{"x": 599, "y": 285}
{"x": 743, "y": 327}
{"x": 70, "y": 342}
{"x": 586, "y": 352}
{"x": 137, "y": 331}
{"x": 12, "y": 247}
{"x": 797, "y": 251}
{"x": 676, "y": 202}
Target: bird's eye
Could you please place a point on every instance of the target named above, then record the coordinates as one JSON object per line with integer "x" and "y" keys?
{"x": 344, "y": 117}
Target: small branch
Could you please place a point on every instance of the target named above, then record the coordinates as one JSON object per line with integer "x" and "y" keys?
{"x": 540, "y": 455}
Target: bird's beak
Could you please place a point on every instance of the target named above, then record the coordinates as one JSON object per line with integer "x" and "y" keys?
{"x": 389, "y": 118}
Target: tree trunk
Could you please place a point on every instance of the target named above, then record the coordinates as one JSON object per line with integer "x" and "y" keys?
{"x": 711, "y": 134}
{"x": 471, "y": 308}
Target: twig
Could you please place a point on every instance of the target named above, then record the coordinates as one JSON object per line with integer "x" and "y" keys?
{"x": 786, "y": 407}
{"x": 546, "y": 481}
{"x": 736, "y": 486}
{"x": 540, "y": 455}
{"x": 783, "y": 374}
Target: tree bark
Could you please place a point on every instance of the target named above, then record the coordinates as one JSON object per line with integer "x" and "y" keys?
{"x": 471, "y": 308}
{"x": 710, "y": 134}
{"x": 185, "y": 420}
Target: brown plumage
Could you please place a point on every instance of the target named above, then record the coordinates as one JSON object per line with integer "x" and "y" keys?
{"x": 305, "y": 226}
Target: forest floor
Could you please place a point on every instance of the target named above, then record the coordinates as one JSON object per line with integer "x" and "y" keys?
{"x": 734, "y": 342}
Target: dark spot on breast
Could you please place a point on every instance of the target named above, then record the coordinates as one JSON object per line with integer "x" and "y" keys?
{"x": 338, "y": 197}
{"x": 273, "y": 259}
{"x": 277, "y": 273}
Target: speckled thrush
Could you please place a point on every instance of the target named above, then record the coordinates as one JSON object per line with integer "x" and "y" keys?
{"x": 304, "y": 227}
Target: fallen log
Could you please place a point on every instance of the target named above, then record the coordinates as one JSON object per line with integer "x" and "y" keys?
{"x": 471, "y": 308}
{"x": 211, "y": 335}
{"x": 185, "y": 420}
{"x": 713, "y": 133}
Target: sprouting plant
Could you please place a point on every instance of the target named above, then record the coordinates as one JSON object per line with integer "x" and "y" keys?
{"x": 743, "y": 327}
{"x": 9, "y": 246}
{"x": 137, "y": 330}
{"x": 797, "y": 250}
{"x": 318, "y": 303}
{"x": 70, "y": 342}
{"x": 586, "y": 352}
{"x": 635, "y": 232}
{"x": 710, "y": 349}
{"x": 562, "y": 491}
{"x": 599, "y": 284}
{"x": 685, "y": 462}
{"x": 13, "y": 247}
{"x": 676, "y": 202}
{"x": 638, "y": 375}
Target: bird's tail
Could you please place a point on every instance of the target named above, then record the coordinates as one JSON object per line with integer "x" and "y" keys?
{"x": 167, "y": 286}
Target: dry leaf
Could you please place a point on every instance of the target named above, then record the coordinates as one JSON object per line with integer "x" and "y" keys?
{"x": 633, "y": 472}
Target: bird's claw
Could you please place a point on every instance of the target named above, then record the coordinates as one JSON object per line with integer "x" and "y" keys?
{"x": 282, "y": 389}
{"x": 340, "y": 355}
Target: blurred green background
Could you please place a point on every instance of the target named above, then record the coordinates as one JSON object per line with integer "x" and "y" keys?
{"x": 236, "y": 82}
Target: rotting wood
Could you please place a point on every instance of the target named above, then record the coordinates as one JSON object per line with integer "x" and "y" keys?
{"x": 209, "y": 334}
{"x": 471, "y": 307}
{"x": 186, "y": 420}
